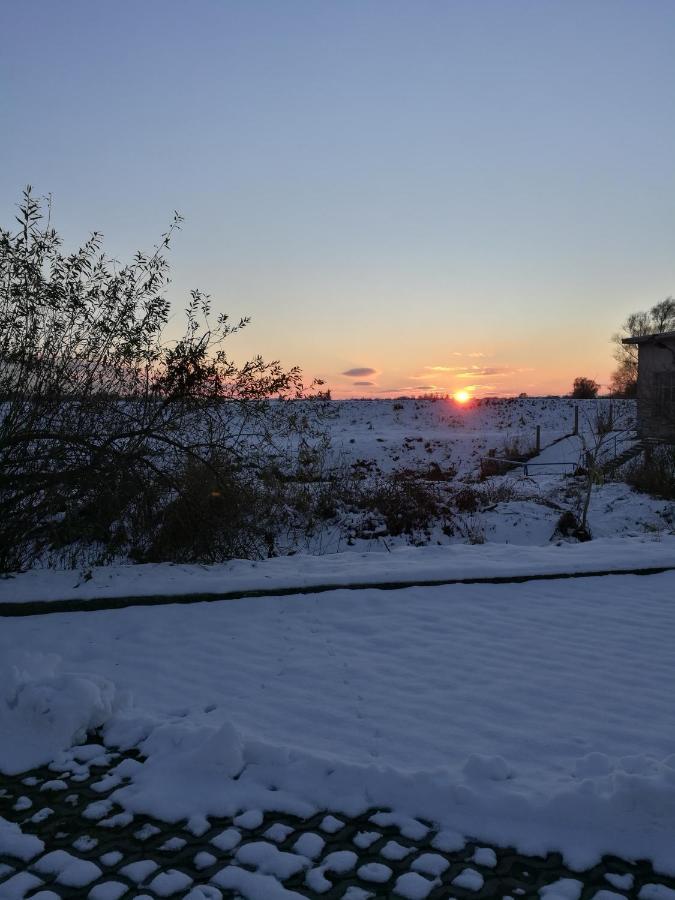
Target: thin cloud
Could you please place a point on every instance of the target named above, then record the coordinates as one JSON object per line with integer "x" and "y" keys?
{"x": 403, "y": 391}
{"x": 474, "y": 354}
{"x": 480, "y": 387}
{"x": 364, "y": 384}
{"x": 360, "y": 372}
{"x": 486, "y": 372}
{"x": 489, "y": 371}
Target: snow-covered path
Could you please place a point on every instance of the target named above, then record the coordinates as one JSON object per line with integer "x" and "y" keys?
{"x": 417, "y": 678}
{"x": 537, "y": 713}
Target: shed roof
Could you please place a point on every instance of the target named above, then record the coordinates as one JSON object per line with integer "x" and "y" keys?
{"x": 650, "y": 338}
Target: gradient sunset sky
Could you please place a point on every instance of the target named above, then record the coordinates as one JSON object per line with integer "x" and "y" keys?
{"x": 404, "y": 196}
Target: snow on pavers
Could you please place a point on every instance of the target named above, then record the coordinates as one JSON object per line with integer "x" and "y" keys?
{"x": 68, "y": 869}
{"x": 13, "y": 842}
{"x": 469, "y": 879}
{"x": 144, "y": 868}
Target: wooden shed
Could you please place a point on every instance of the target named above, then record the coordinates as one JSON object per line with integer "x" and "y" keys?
{"x": 656, "y": 385}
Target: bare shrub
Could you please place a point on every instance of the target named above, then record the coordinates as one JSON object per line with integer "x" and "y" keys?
{"x": 467, "y": 499}
{"x": 655, "y": 473}
{"x": 216, "y": 512}
{"x": 406, "y": 506}
{"x": 501, "y": 490}
{"x": 104, "y": 421}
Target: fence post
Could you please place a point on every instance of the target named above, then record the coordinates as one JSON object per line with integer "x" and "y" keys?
{"x": 576, "y": 420}
{"x": 538, "y": 445}
{"x": 611, "y": 416}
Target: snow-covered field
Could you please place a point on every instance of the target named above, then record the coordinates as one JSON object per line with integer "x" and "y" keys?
{"x": 533, "y": 714}
{"x": 441, "y": 446}
{"x": 408, "y": 432}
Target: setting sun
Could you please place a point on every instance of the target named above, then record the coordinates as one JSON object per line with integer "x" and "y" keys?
{"x": 462, "y": 397}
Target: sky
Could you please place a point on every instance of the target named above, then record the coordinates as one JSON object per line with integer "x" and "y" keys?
{"x": 404, "y": 196}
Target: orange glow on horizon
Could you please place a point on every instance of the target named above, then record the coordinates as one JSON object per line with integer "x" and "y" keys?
{"x": 461, "y": 397}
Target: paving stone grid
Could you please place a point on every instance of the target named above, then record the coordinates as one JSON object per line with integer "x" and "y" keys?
{"x": 93, "y": 849}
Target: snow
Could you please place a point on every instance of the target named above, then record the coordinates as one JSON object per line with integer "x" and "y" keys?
{"x": 252, "y": 818}
{"x": 434, "y": 702}
{"x": 16, "y": 887}
{"x": 365, "y": 838}
{"x": 414, "y": 887}
{"x": 253, "y": 885}
{"x": 656, "y": 892}
{"x": 204, "y": 892}
{"x": 278, "y": 832}
{"x": 269, "y": 860}
{"x": 197, "y": 825}
{"x": 531, "y": 714}
{"x": 203, "y": 860}
{"x": 98, "y": 810}
{"x": 108, "y": 890}
{"x": 485, "y": 856}
{"x": 430, "y": 864}
{"x": 55, "y": 785}
{"x": 119, "y": 820}
{"x": 172, "y": 845}
{"x": 492, "y": 768}
{"x": 147, "y": 831}
{"x": 44, "y": 709}
{"x": 69, "y": 870}
{"x": 309, "y": 845}
{"x": 331, "y": 825}
{"x": 430, "y": 442}
{"x": 85, "y": 843}
{"x": 408, "y": 826}
{"x": 469, "y": 879}
{"x": 340, "y": 862}
{"x": 302, "y": 571}
{"x": 42, "y": 814}
{"x": 170, "y": 882}
{"x": 13, "y": 842}
{"x": 227, "y": 839}
{"x": 317, "y": 881}
{"x": 138, "y": 871}
{"x": 394, "y": 850}
{"x": 563, "y": 889}
{"x": 448, "y": 841}
{"x": 622, "y": 882}
{"x": 376, "y": 872}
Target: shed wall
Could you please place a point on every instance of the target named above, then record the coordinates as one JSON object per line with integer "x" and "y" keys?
{"x": 656, "y": 391}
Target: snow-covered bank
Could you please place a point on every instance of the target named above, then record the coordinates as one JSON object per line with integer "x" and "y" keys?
{"x": 624, "y": 807}
{"x": 458, "y": 561}
{"x": 44, "y": 708}
{"x": 538, "y": 714}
